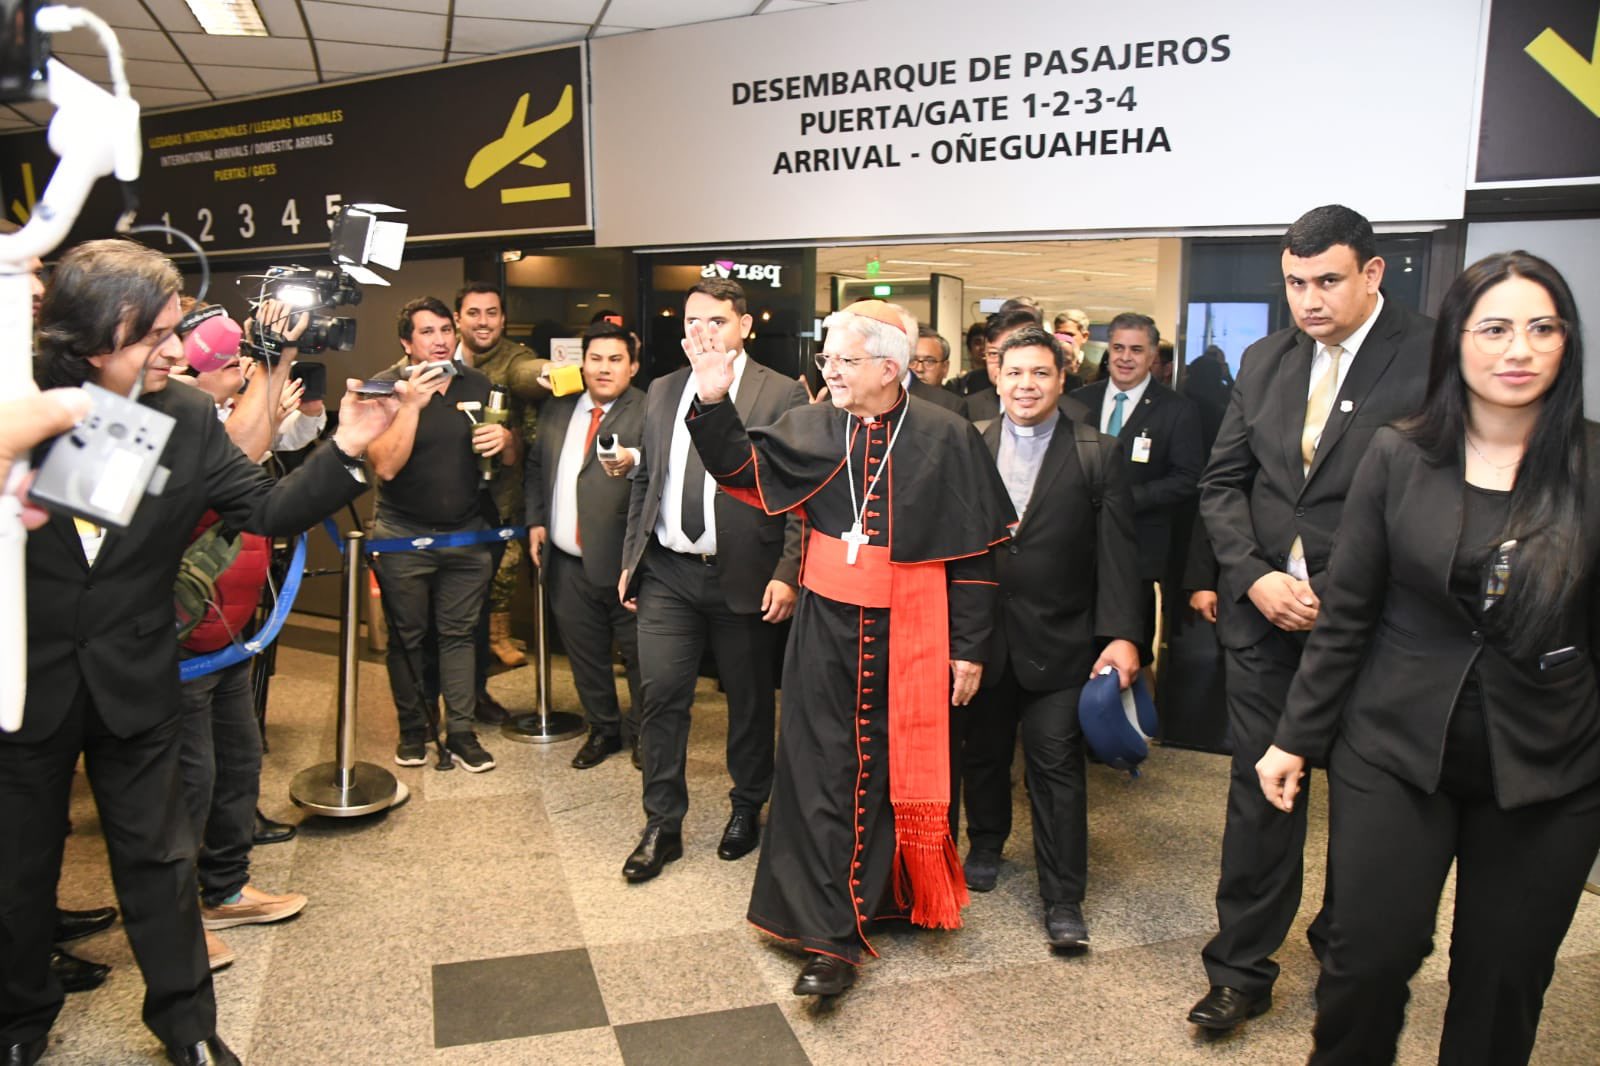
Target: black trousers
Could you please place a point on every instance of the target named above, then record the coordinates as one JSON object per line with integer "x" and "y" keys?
{"x": 1258, "y": 891}
{"x": 590, "y": 620}
{"x": 219, "y": 753}
{"x": 681, "y": 609}
{"x": 1519, "y": 874}
{"x": 1053, "y": 760}
{"x": 139, "y": 793}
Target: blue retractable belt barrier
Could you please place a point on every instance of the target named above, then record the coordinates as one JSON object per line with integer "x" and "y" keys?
{"x": 239, "y": 651}
{"x": 429, "y": 541}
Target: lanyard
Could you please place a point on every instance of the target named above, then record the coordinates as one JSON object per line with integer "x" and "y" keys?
{"x": 855, "y": 538}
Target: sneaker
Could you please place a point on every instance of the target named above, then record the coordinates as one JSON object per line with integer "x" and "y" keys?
{"x": 412, "y": 749}
{"x": 469, "y": 753}
{"x": 218, "y": 954}
{"x": 253, "y": 907}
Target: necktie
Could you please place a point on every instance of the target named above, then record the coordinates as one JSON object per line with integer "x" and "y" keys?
{"x": 595, "y": 415}
{"x": 1114, "y": 427}
{"x": 1318, "y": 407}
{"x": 693, "y": 513}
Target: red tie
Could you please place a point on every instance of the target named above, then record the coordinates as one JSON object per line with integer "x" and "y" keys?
{"x": 595, "y": 415}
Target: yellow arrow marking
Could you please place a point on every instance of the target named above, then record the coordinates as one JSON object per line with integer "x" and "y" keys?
{"x": 24, "y": 210}
{"x": 1564, "y": 63}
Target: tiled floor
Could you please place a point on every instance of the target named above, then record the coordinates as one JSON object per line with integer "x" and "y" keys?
{"x": 486, "y": 921}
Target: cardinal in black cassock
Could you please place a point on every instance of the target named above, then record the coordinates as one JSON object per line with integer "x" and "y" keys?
{"x": 902, "y": 505}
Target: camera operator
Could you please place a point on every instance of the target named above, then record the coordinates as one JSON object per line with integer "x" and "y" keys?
{"x": 427, "y": 465}
{"x": 221, "y": 745}
{"x": 103, "y": 656}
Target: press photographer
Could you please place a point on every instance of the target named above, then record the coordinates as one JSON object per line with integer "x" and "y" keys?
{"x": 103, "y": 655}
{"x": 431, "y": 485}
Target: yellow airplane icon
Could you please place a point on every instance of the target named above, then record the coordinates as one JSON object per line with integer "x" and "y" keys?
{"x": 517, "y": 145}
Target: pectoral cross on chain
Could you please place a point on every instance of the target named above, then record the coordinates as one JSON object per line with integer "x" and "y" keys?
{"x": 855, "y": 539}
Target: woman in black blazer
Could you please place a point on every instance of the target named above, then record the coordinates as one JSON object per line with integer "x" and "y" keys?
{"x": 1449, "y": 684}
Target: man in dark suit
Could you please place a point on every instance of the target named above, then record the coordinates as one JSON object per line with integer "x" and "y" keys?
{"x": 1208, "y": 381}
{"x": 1058, "y": 625}
{"x": 984, "y": 403}
{"x": 701, "y": 567}
{"x": 103, "y": 653}
{"x": 1302, "y": 413}
{"x": 1158, "y": 435}
{"x": 577, "y": 509}
{"x": 930, "y": 362}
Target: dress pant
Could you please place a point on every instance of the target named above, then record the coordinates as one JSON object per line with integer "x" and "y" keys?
{"x": 482, "y": 657}
{"x": 220, "y": 755}
{"x": 441, "y": 588}
{"x": 681, "y": 610}
{"x": 1053, "y": 761}
{"x": 138, "y": 790}
{"x": 1258, "y": 891}
{"x": 590, "y": 620}
{"x": 1519, "y": 874}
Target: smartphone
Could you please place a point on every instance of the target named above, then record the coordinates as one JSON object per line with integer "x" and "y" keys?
{"x": 374, "y": 387}
{"x": 315, "y": 378}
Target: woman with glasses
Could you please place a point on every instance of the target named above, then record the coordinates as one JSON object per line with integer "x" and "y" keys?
{"x": 1450, "y": 683}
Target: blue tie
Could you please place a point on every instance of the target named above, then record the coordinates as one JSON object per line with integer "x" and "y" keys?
{"x": 1114, "y": 427}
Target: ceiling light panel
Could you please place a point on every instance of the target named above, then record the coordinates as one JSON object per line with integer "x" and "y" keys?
{"x": 228, "y": 18}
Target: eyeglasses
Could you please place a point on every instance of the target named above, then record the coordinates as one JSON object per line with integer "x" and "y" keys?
{"x": 824, "y": 361}
{"x": 924, "y": 362}
{"x": 1494, "y": 336}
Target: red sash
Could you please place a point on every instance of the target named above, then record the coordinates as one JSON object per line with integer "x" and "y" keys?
{"x": 927, "y": 870}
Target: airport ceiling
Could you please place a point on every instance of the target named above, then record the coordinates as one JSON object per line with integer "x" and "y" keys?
{"x": 171, "y": 62}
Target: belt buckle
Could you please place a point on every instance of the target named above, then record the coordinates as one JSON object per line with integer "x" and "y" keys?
{"x": 708, "y": 560}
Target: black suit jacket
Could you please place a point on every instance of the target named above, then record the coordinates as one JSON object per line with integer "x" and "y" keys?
{"x": 1169, "y": 479}
{"x": 983, "y": 404}
{"x": 602, "y": 500}
{"x": 1054, "y": 619}
{"x": 112, "y": 625}
{"x": 1392, "y": 646}
{"x": 1256, "y": 495}
{"x": 752, "y": 548}
{"x": 936, "y": 395}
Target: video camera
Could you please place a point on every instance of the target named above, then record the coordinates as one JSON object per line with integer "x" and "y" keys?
{"x": 359, "y": 237}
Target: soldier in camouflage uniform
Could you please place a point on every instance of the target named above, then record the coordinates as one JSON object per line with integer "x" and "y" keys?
{"x": 481, "y": 324}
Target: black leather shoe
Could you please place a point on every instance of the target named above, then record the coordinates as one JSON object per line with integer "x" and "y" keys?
{"x": 1064, "y": 925}
{"x": 489, "y": 711}
{"x": 269, "y": 832}
{"x": 75, "y": 974}
{"x": 1224, "y": 1008}
{"x": 209, "y": 1052}
{"x": 982, "y": 870}
{"x": 74, "y": 925}
{"x": 595, "y": 749}
{"x": 23, "y": 1054}
{"x": 824, "y": 975}
{"x": 741, "y": 836}
{"x": 657, "y": 847}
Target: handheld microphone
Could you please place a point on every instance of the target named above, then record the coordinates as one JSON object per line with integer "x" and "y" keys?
{"x": 211, "y": 341}
{"x": 495, "y": 413}
{"x": 605, "y": 446}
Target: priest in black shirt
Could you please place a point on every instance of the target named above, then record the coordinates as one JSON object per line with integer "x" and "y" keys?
{"x": 896, "y": 606}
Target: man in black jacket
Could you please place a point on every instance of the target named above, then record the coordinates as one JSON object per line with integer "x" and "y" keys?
{"x": 1158, "y": 437}
{"x": 103, "y": 653}
{"x": 1301, "y": 415}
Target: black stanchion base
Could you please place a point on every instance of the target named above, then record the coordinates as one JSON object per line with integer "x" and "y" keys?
{"x": 545, "y": 729}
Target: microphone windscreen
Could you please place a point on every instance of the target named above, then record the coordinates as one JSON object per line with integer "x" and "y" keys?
{"x": 212, "y": 344}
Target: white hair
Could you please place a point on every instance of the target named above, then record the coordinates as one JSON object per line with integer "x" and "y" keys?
{"x": 881, "y": 340}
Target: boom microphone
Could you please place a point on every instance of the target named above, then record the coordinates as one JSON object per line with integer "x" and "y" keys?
{"x": 211, "y": 342}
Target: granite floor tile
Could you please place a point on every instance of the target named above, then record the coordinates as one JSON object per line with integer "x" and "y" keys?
{"x": 647, "y": 980}
{"x": 749, "y": 1036}
{"x": 520, "y": 995}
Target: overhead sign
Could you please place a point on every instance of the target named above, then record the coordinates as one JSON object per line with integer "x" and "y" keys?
{"x": 893, "y": 117}
{"x": 470, "y": 149}
{"x": 1540, "y": 112}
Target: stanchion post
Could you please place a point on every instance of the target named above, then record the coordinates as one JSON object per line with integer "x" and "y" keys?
{"x": 544, "y": 726}
{"x": 345, "y": 788}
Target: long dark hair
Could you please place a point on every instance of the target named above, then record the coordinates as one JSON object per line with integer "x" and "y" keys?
{"x": 1546, "y": 516}
{"x": 102, "y": 296}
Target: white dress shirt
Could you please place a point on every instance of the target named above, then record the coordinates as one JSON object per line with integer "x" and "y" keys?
{"x": 564, "y": 507}
{"x": 669, "y": 523}
{"x": 1109, "y": 404}
{"x": 1351, "y": 345}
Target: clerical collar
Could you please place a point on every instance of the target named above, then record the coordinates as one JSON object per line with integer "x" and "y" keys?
{"x": 872, "y": 420}
{"x": 1042, "y": 429}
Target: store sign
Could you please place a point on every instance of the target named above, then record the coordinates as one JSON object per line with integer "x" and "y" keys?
{"x": 899, "y": 117}
{"x": 1540, "y": 113}
{"x": 467, "y": 150}
{"x": 727, "y": 268}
